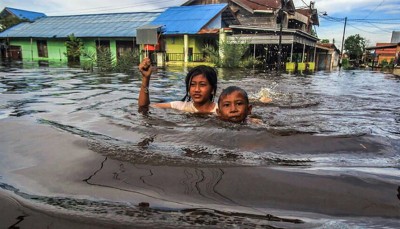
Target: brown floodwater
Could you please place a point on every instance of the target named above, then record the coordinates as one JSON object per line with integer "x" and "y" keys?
{"x": 76, "y": 153}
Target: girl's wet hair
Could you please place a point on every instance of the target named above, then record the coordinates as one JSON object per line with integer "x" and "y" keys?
{"x": 209, "y": 72}
{"x": 229, "y": 90}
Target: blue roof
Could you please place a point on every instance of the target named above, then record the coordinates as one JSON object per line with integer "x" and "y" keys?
{"x": 189, "y": 19}
{"x": 89, "y": 25}
{"x": 24, "y": 14}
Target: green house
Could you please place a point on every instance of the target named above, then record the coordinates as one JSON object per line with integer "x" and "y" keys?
{"x": 44, "y": 39}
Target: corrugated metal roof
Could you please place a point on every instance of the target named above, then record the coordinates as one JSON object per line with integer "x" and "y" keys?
{"x": 90, "y": 25}
{"x": 188, "y": 19}
{"x": 24, "y": 14}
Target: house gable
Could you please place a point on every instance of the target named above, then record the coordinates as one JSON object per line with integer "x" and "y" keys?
{"x": 21, "y": 14}
{"x": 191, "y": 19}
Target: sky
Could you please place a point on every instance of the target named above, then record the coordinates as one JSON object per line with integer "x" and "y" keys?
{"x": 373, "y": 20}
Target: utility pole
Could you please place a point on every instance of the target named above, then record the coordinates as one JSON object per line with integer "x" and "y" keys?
{"x": 341, "y": 51}
{"x": 280, "y": 15}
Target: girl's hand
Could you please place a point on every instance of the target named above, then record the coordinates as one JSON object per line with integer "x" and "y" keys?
{"x": 145, "y": 67}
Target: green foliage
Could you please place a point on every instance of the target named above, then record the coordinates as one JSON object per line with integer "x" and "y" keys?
{"x": 387, "y": 65}
{"x": 105, "y": 59}
{"x": 355, "y": 46}
{"x": 212, "y": 55}
{"x": 89, "y": 60}
{"x": 74, "y": 47}
{"x": 345, "y": 63}
{"x": 9, "y": 21}
{"x": 127, "y": 61}
{"x": 233, "y": 54}
{"x": 325, "y": 41}
{"x": 250, "y": 62}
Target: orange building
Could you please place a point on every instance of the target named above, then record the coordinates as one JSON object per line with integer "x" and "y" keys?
{"x": 385, "y": 51}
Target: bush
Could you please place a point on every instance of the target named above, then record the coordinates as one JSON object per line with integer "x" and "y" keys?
{"x": 127, "y": 61}
{"x": 345, "y": 63}
{"x": 105, "y": 59}
{"x": 233, "y": 54}
{"x": 387, "y": 65}
{"x": 251, "y": 62}
{"x": 74, "y": 47}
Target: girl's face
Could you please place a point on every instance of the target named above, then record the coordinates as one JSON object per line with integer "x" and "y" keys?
{"x": 200, "y": 89}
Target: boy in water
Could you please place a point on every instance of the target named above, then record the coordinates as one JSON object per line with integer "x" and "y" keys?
{"x": 234, "y": 106}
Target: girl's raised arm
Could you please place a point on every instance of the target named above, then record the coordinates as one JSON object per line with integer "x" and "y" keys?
{"x": 144, "y": 98}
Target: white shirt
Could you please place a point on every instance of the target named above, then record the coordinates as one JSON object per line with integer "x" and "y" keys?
{"x": 189, "y": 106}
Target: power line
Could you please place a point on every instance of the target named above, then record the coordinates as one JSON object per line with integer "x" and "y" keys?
{"x": 340, "y": 20}
{"x": 375, "y": 9}
{"x": 305, "y": 3}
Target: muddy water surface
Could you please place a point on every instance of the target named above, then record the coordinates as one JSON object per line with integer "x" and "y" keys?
{"x": 74, "y": 147}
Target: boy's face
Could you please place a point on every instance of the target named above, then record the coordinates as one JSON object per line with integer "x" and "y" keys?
{"x": 233, "y": 107}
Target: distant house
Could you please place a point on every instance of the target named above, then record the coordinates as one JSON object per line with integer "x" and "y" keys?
{"x": 385, "y": 52}
{"x": 260, "y": 26}
{"x": 44, "y": 39}
{"x": 21, "y": 14}
{"x": 186, "y": 30}
{"x": 10, "y": 17}
{"x": 327, "y": 56}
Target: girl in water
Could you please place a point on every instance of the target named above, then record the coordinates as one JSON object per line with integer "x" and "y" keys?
{"x": 201, "y": 86}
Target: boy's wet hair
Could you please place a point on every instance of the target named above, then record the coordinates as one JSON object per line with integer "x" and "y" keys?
{"x": 209, "y": 72}
{"x": 229, "y": 90}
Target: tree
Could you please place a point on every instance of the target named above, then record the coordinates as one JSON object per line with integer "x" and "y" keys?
{"x": 233, "y": 54}
{"x": 355, "y": 46}
{"x": 9, "y": 21}
{"x": 325, "y": 41}
{"x": 74, "y": 48}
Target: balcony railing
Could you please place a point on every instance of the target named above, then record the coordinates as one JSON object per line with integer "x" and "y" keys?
{"x": 195, "y": 57}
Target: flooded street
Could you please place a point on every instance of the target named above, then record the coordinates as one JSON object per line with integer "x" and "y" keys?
{"x": 75, "y": 151}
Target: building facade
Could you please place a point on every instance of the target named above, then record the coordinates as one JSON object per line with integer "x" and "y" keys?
{"x": 44, "y": 39}
{"x": 274, "y": 30}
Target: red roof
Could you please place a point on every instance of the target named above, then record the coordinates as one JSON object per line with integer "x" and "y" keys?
{"x": 385, "y": 51}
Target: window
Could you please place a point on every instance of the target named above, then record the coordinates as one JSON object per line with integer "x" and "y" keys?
{"x": 42, "y": 48}
{"x": 124, "y": 47}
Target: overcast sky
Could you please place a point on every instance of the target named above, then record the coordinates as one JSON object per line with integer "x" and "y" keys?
{"x": 372, "y": 19}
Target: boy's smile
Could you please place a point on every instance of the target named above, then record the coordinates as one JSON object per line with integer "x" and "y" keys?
{"x": 233, "y": 107}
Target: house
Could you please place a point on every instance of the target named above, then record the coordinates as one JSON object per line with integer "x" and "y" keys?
{"x": 264, "y": 25}
{"x": 44, "y": 39}
{"x": 186, "y": 30}
{"x": 183, "y": 33}
{"x": 327, "y": 56}
{"x": 8, "y": 12}
{"x": 11, "y": 16}
{"x": 384, "y": 52}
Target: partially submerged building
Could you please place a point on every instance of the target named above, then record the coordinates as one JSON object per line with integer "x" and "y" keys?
{"x": 327, "y": 56}
{"x": 186, "y": 30}
{"x": 182, "y": 32}
{"x": 260, "y": 24}
{"x": 388, "y": 52}
{"x": 11, "y": 16}
{"x": 44, "y": 39}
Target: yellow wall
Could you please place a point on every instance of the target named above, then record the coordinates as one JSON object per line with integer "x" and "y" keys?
{"x": 174, "y": 44}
